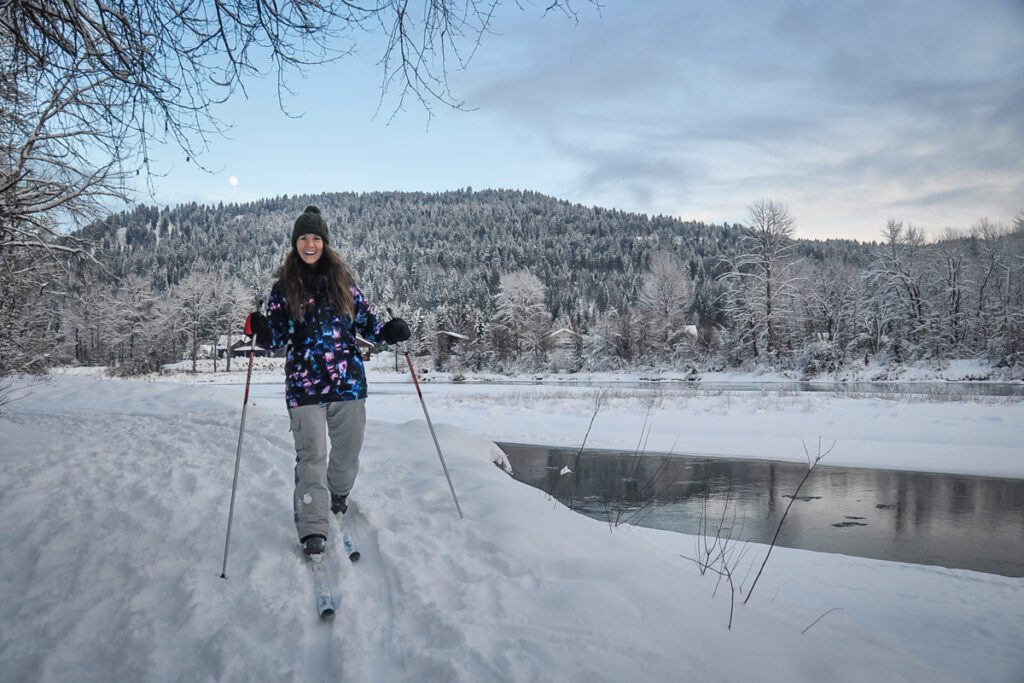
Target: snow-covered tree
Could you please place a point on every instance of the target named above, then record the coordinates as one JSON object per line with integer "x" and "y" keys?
{"x": 233, "y": 300}
{"x": 897, "y": 276}
{"x": 474, "y": 353}
{"x": 665, "y": 296}
{"x": 31, "y": 287}
{"x": 521, "y": 321}
{"x": 137, "y": 327}
{"x": 764, "y": 267}
{"x": 950, "y": 327}
{"x": 614, "y": 341}
{"x": 195, "y": 306}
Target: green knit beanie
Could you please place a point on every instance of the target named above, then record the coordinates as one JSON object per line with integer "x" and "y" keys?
{"x": 310, "y": 223}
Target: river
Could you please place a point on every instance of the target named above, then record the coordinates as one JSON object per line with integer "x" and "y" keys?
{"x": 925, "y": 518}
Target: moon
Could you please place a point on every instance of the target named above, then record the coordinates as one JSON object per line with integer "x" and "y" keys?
{"x": 233, "y": 180}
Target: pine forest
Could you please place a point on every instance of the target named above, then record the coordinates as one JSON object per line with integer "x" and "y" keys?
{"x": 510, "y": 281}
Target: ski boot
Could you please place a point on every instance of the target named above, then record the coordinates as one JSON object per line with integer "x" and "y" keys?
{"x": 339, "y": 504}
{"x": 314, "y": 544}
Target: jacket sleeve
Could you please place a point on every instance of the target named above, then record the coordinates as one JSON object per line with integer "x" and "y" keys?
{"x": 278, "y": 316}
{"x": 366, "y": 323}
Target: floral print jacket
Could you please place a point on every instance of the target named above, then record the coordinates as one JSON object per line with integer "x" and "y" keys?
{"x": 323, "y": 363}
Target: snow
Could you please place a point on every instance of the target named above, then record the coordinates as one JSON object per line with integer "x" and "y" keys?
{"x": 114, "y": 504}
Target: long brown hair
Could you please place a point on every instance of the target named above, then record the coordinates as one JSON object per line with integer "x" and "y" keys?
{"x": 300, "y": 282}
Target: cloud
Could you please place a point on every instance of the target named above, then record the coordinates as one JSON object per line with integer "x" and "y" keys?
{"x": 955, "y": 195}
{"x": 823, "y": 105}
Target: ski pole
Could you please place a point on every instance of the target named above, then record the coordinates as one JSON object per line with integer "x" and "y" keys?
{"x": 241, "y": 431}
{"x": 430, "y": 424}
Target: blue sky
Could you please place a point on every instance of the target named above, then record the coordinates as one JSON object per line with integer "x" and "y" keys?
{"x": 849, "y": 112}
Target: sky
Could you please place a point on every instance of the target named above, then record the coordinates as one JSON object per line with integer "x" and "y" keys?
{"x": 848, "y": 113}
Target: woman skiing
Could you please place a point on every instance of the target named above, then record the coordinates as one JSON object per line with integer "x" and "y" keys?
{"x": 316, "y": 309}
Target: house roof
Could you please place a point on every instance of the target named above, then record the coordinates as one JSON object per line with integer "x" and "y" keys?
{"x": 563, "y": 331}
{"x": 222, "y": 340}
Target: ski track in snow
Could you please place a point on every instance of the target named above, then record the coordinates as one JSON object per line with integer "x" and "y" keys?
{"x": 320, "y": 664}
{"x": 365, "y": 605}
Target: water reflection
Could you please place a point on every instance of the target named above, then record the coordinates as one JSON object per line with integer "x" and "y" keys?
{"x": 948, "y": 520}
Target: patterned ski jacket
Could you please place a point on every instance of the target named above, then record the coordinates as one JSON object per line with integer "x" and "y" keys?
{"x": 323, "y": 363}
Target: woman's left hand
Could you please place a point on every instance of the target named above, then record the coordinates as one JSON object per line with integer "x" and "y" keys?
{"x": 394, "y": 331}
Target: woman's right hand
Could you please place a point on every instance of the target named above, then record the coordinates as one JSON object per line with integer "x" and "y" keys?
{"x": 256, "y": 325}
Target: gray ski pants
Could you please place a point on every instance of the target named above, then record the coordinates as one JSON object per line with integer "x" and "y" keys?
{"x": 316, "y": 475}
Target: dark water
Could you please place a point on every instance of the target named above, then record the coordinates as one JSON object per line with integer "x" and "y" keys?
{"x": 937, "y": 519}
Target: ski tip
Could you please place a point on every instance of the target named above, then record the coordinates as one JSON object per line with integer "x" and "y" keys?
{"x": 327, "y": 614}
{"x": 354, "y": 555}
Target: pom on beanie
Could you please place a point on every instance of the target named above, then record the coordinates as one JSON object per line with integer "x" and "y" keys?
{"x": 310, "y": 223}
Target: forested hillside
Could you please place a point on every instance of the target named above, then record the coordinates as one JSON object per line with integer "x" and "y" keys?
{"x": 421, "y": 250}
{"x": 505, "y": 269}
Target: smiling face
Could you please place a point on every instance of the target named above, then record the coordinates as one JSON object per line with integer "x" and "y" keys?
{"x": 310, "y": 248}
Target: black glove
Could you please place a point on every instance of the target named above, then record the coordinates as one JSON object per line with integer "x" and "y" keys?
{"x": 256, "y": 325}
{"x": 394, "y": 331}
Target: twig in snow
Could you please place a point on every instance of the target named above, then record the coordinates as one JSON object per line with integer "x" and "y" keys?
{"x": 810, "y": 468}
{"x": 819, "y": 619}
{"x": 598, "y": 403}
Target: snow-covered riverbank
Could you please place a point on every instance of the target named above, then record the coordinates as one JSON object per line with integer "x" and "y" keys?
{"x": 967, "y": 435}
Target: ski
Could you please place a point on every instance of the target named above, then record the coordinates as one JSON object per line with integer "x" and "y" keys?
{"x": 351, "y": 549}
{"x": 325, "y": 605}
{"x": 348, "y": 542}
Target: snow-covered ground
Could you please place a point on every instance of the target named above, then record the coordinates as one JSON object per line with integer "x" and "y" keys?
{"x": 114, "y": 504}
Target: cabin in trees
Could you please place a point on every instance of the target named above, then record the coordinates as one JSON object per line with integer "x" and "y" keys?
{"x": 237, "y": 347}
{"x": 563, "y": 338}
